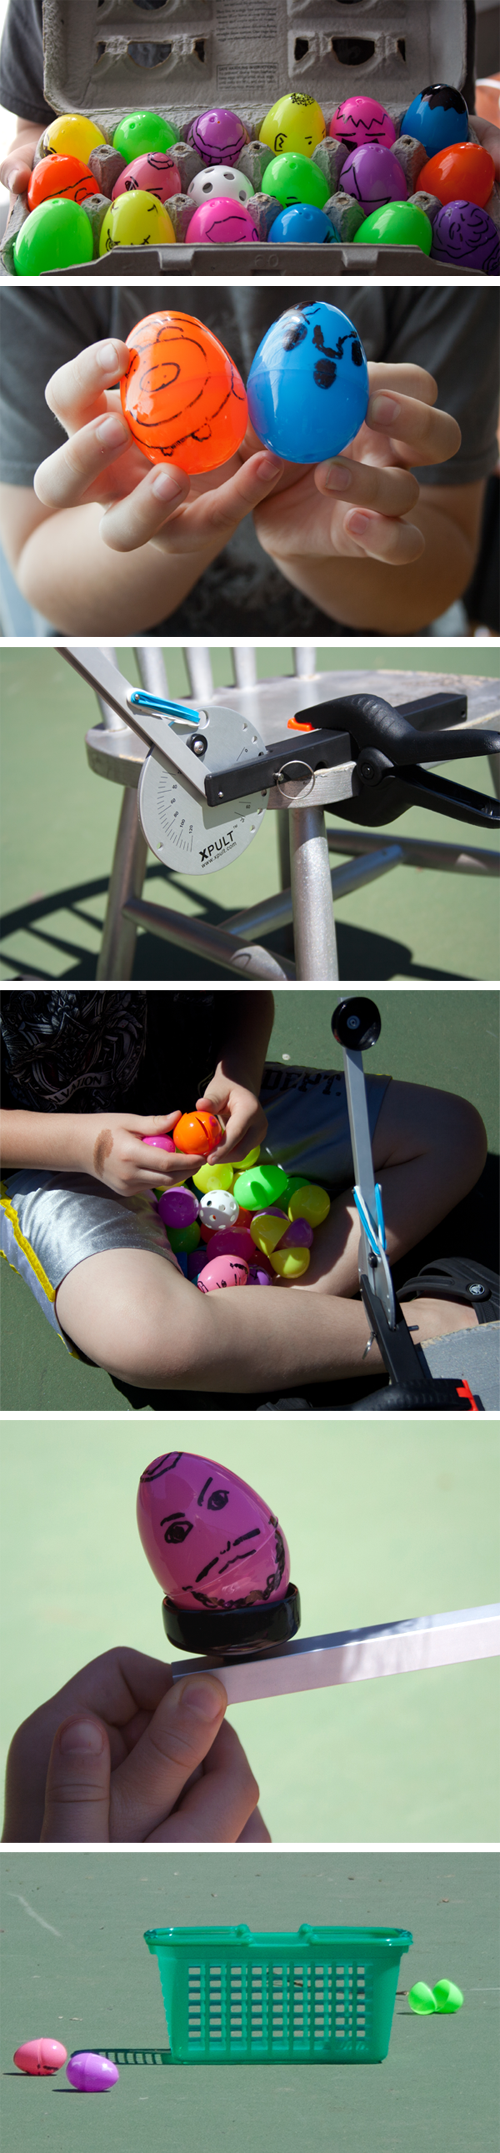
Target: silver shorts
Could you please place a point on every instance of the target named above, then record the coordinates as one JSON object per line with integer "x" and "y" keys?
{"x": 50, "y": 1222}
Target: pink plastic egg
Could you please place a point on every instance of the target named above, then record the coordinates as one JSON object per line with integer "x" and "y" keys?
{"x": 178, "y": 1207}
{"x": 160, "y": 1143}
{"x": 210, "y": 1540}
{"x": 361, "y": 119}
{"x": 156, "y": 173}
{"x": 222, "y": 223}
{"x": 223, "y": 1271}
{"x": 39, "y": 2059}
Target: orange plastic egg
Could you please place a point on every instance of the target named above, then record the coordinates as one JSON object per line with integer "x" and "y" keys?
{"x": 182, "y": 397}
{"x": 66, "y": 177}
{"x": 462, "y": 173}
{"x": 197, "y": 1133}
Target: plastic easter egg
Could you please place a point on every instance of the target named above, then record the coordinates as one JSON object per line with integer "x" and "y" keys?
{"x": 178, "y": 1207}
{"x": 210, "y": 1540}
{"x": 296, "y": 122}
{"x": 197, "y": 1133}
{"x": 213, "y": 1177}
{"x": 299, "y": 1234}
{"x": 232, "y": 1241}
{"x": 218, "y": 1209}
{"x": 447, "y": 1997}
{"x": 136, "y": 220}
{"x": 462, "y": 232}
{"x": 360, "y": 119}
{"x": 464, "y": 173}
{"x": 267, "y": 1230}
{"x": 290, "y": 1262}
{"x": 437, "y": 117}
{"x": 142, "y": 132}
{"x": 39, "y": 2059}
{"x": 91, "y": 2074}
{"x": 219, "y": 136}
{"x": 294, "y": 1181}
{"x": 222, "y": 223}
{"x": 184, "y": 1239}
{"x": 303, "y": 224}
{"x": 421, "y": 2000}
{"x": 156, "y": 173}
{"x": 295, "y": 179}
{"x": 262, "y": 1185}
{"x": 219, "y": 179}
{"x": 223, "y": 1271}
{"x": 72, "y": 135}
{"x": 373, "y": 176}
{"x": 65, "y": 177}
{"x": 308, "y": 384}
{"x": 182, "y": 397}
{"x": 250, "y": 1159}
{"x": 258, "y": 1277}
{"x": 57, "y": 235}
{"x": 311, "y": 1203}
{"x": 159, "y": 1143}
{"x": 398, "y": 224}
{"x": 195, "y": 1263}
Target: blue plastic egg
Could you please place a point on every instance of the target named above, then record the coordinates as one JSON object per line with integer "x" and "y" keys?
{"x": 302, "y": 222}
{"x": 437, "y": 117}
{"x": 308, "y": 385}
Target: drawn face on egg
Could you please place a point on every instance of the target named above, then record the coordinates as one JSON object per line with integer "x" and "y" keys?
{"x": 182, "y": 397}
{"x": 361, "y": 119}
{"x": 308, "y": 384}
{"x": 210, "y": 1540}
{"x": 463, "y": 232}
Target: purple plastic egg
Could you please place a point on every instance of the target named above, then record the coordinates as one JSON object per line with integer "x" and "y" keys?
{"x": 178, "y": 1207}
{"x": 160, "y": 1143}
{"x": 462, "y": 232}
{"x": 157, "y": 173}
{"x": 359, "y": 120}
{"x": 298, "y": 1235}
{"x": 373, "y": 176}
{"x": 91, "y": 2074}
{"x": 222, "y": 223}
{"x": 219, "y": 136}
{"x": 196, "y": 1262}
{"x": 257, "y": 1277}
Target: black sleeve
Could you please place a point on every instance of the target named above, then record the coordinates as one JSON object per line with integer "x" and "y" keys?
{"x": 39, "y": 333}
{"x": 21, "y": 63}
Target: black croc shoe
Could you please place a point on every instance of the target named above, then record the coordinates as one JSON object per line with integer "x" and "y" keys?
{"x": 452, "y": 1278}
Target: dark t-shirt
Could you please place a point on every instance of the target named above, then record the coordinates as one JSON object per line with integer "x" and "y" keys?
{"x": 77, "y": 1053}
{"x": 453, "y": 333}
{"x": 21, "y": 59}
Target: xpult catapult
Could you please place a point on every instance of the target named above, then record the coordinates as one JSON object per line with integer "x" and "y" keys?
{"x": 209, "y": 776}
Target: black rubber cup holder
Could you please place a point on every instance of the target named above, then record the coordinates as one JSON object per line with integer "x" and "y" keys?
{"x": 233, "y": 1630}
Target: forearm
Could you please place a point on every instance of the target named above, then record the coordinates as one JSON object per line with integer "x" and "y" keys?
{"x": 246, "y": 1040}
{"x": 66, "y": 571}
{"x": 368, "y": 594}
{"x": 49, "y": 1141}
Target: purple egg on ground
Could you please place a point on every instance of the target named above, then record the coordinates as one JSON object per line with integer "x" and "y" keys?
{"x": 219, "y": 136}
{"x": 90, "y": 2073}
{"x": 374, "y": 176}
{"x": 178, "y": 1207}
{"x": 462, "y": 232}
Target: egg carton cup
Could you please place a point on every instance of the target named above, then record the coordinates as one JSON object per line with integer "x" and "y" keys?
{"x": 321, "y": 1995}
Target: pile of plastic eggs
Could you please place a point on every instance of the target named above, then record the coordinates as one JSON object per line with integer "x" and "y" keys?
{"x": 247, "y": 1223}
{"x": 363, "y": 176}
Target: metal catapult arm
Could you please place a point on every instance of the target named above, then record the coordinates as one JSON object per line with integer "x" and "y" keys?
{"x": 392, "y": 1648}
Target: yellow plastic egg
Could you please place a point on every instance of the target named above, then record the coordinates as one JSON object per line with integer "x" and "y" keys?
{"x": 290, "y": 1262}
{"x": 250, "y": 1160}
{"x": 295, "y": 123}
{"x": 73, "y": 136}
{"x": 214, "y": 1177}
{"x": 136, "y": 220}
{"x": 266, "y": 1230}
{"x": 309, "y": 1203}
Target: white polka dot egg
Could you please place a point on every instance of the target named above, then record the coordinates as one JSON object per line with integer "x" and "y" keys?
{"x": 220, "y": 180}
{"x": 218, "y": 1209}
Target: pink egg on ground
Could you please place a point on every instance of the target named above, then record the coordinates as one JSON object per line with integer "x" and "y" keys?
{"x": 91, "y": 2074}
{"x": 39, "y": 2059}
{"x": 298, "y": 1235}
{"x": 232, "y": 1241}
{"x": 160, "y": 1143}
{"x": 221, "y": 223}
{"x": 156, "y": 173}
{"x": 210, "y": 1540}
{"x": 223, "y": 1271}
{"x": 361, "y": 119}
{"x": 373, "y": 176}
{"x": 178, "y": 1207}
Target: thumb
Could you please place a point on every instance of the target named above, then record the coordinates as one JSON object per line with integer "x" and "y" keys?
{"x": 149, "y": 1783}
{"x": 78, "y": 1780}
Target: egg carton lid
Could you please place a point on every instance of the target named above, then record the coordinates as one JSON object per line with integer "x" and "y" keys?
{"x": 218, "y": 52}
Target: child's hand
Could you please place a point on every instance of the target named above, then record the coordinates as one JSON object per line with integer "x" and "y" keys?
{"x": 143, "y": 502}
{"x": 359, "y": 504}
{"x": 123, "y": 1753}
{"x": 244, "y": 1118}
{"x": 16, "y": 170}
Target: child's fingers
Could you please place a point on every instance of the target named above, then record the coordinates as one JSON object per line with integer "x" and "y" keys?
{"x": 78, "y": 389}
{"x": 78, "y": 1779}
{"x": 15, "y": 174}
{"x": 222, "y": 1799}
{"x": 387, "y": 488}
{"x": 402, "y": 379}
{"x": 379, "y": 538}
{"x": 207, "y": 519}
{"x": 418, "y": 432}
{"x": 148, "y": 1784}
{"x": 64, "y": 478}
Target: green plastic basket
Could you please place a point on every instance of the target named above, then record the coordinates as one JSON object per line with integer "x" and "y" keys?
{"x": 316, "y": 1996}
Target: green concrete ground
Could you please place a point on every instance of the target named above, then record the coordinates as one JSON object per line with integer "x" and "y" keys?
{"x": 81, "y": 1970}
{"x": 59, "y": 825}
{"x": 444, "y": 1038}
{"x": 381, "y": 1524}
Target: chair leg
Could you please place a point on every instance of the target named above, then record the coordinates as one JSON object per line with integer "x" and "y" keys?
{"x": 117, "y": 952}
{"x": 313, "y": 915}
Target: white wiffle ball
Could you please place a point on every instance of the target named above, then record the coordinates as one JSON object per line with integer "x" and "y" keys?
{"x": 222, "y": 179}
{"x": 218, "y": 1209}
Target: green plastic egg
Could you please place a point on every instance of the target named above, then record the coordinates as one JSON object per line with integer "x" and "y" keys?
{"x": 396, "y": 224}
{"x": 143, "y": 131}
{"x": 184, "y": 1237}
{"x": 262, "y": 1185}
{"x": 421, "y": 2000}
{"x": 55, "y": 236}
{"x": 295, "y": 179}
{"x": 447, "y": 1997}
